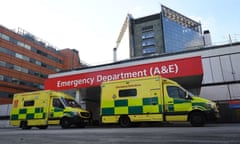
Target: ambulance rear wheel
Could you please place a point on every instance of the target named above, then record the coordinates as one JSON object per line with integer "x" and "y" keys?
{"x": 124, "y": 121}
{"x": 197, "y": 119}
{"x": 24, "y": 125}
{"x": 65, "y": 123}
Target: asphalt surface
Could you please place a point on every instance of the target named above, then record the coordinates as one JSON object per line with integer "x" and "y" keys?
{"x": 165, "y": 134}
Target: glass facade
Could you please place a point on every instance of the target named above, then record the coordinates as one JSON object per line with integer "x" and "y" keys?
{"x": 178, "y": 37}
{"x": 180, "y": 33}
{"x": 165, "y": 32}
{"x": 149, "y": 50}
{"x": 148, "y": 40}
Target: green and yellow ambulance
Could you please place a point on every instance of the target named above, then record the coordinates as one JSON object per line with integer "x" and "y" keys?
{"x": 152, "y": 99}
{"x": 46, "y": 107}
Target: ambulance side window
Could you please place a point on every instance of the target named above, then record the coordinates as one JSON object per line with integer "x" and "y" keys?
{"x": 29, "y": 103}
{"x": 176, "y": 92}
{"x": 127, "y": 93}
{"x": 57, "y": 103}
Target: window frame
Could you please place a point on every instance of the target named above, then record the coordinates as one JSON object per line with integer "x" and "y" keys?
{"x": 179, "y": 92}
{"x": 28, "y": 103}
{"x": 127, "y": 93}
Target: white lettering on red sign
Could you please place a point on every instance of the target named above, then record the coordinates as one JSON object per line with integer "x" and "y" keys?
{"x": 158, "y": 70}
{"x": 165, "y": 69}
{"x": 168, "y": 69}
{"x": 75, "y": 83}
{"x": 101, "y": 78}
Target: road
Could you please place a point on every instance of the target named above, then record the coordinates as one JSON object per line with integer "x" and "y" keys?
{"x": 180, "y": 134}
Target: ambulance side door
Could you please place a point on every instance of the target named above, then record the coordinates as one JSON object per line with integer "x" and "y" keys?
{"x": 156, "y": 101}
{"x": 176, "y": 105}
{"x": 56, "y": 109}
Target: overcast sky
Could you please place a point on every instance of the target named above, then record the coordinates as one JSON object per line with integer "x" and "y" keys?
{"x": 92, "y": 26}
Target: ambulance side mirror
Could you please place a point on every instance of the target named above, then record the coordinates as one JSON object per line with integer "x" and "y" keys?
{"x": 188, "y": 96}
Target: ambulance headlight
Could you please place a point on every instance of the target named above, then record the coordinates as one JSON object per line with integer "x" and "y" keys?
{"x": 211, "y": 105}
{"x": 75, "y": 113}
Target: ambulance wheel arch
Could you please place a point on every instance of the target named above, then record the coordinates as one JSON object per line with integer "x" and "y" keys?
{"x": 24, "y": 125}
{"x": 124, "y": 121}
{"x": 65, "y": 122}
{"x": 197, "y": 118}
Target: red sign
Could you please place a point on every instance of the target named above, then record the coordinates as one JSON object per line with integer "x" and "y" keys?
{"x": 169, "y": 69}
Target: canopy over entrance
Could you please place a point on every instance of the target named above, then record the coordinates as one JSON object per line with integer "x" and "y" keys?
{"x": 187, "y": 71}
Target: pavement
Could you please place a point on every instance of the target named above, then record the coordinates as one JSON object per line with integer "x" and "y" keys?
{"x": 6, "y": 124}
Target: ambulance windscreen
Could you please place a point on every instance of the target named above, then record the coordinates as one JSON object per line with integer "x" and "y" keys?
{"x": 70, "y": 103}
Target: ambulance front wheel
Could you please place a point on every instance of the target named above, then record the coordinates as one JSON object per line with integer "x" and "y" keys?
{"x": 65, "y": 123}
{"x": 124, "y": 121}
{"x": 197, "y": 119}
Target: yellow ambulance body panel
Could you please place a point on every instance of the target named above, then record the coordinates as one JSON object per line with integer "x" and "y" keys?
{"x": 46, "y": 107}
{"x": 152, "y": 99}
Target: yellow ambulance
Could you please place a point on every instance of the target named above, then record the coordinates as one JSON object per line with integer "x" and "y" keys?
{"x": 46, "y": 107}
{"x": 152, "y": 99}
